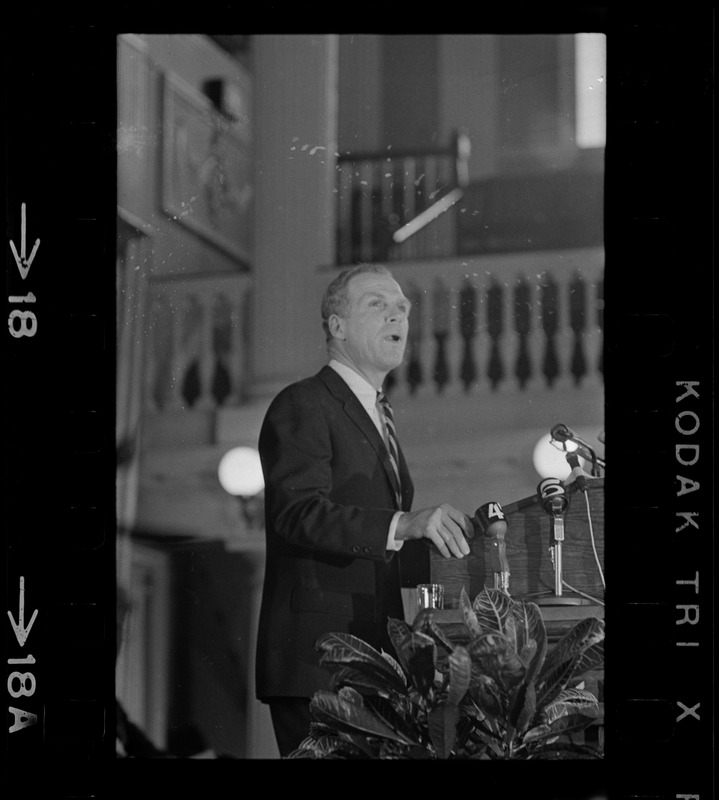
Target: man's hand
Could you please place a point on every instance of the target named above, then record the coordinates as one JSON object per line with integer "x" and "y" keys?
{"x": 447, "y": 528}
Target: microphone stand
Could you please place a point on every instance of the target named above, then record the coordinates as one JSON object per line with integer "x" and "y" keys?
{"x": 554, "y": 500}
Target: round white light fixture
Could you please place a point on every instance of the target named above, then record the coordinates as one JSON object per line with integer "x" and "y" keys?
{"x": 240, "y": 472}
{"x": 550, "y": 462}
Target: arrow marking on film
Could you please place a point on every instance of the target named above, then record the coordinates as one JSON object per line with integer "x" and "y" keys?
{"x": 23, "y": 264}
{"x": 21, "y": 632}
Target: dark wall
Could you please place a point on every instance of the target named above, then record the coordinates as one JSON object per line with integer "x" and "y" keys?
{"x": 410, "y": 90}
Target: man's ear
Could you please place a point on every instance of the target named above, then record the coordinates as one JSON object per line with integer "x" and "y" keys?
{"x": 336, "y": 326}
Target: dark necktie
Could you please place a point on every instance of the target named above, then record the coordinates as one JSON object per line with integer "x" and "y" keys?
{"x": 392, "y": 446}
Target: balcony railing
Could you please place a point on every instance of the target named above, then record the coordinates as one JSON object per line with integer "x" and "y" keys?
{"x": 385, "y": 199}
{"x": 502, "y": 322}
{"x": 198, "y": 352}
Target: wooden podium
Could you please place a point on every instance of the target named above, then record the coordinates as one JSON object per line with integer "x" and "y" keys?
{"x": 528, "y": 549}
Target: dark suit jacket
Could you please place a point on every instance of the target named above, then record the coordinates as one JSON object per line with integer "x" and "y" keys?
{"x": 328, "y": 507}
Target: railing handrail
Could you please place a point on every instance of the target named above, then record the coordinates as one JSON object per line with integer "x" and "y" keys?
{"x": 385, "y": 198}
{"x": 457, "y": 148}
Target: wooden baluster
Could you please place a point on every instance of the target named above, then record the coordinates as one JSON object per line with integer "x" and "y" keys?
{"x": 191, "y": 354}
{"x": 221, "y": 386}
{"x": 205, "y": 355}
{"x": 495, "y": 329}
{"x": 236, "y": 350}
{"x": 550, "y": 326}
{"x": 523, "y": 327}
{"x": 468, "y": 324}
{"x": 176, "y": 359}
{"x": 413, "y": 355}
{"x": 440, "y": 328}
{"x": 577, "y": 322}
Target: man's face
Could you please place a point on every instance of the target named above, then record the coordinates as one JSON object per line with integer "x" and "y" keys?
{"x": 373, "y": 330}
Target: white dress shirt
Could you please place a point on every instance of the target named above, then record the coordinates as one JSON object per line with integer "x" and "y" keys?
{"x": 367, "y": 395}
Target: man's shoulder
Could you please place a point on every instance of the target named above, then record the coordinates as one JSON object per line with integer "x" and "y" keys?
{"x": 311, "y": 388}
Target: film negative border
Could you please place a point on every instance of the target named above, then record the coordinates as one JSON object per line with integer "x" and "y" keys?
{"x": 59, "y": 367}
{"x": 60, "y": 456}
{"x": 660, "y": 638}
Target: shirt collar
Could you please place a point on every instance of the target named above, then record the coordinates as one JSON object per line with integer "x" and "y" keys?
{"x": 366, "y": 393}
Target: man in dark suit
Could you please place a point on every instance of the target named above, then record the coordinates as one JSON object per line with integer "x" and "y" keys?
{"x": 335, "y": 515}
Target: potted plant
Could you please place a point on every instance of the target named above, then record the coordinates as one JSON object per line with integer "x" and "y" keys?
{"x": 495, "y": 692}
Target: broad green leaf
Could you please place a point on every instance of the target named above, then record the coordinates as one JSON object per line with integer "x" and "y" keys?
{"x": 341, "y": 650}
{"x": 552, "y": 683}
{"x": 425, "y": 623}
{"x": 443, "y": 729}
{"x": 399, "y": 631}
{"x": 351, "y": 695}
{"x": 523, "y": 706}
{"x": 531, "y": 638}
{"x": 460, "y": 674}
{"x": 562, "y": 726}
{"x": 495, "y": 656}
{"x": 395, "y": 666}
{"x": 320, "y": 746}
{"x": 468, "y": 615}
{"x": 492, "y": 608}
{"x": 585, "y": 634}
{"x": 567, "y": 702}
{"x": 591, "y": 658}
{"x": 396, "y": 716}
{"x": 485, "y": 692}
{"x": 347, "y": 717}
{"x": 419, "y": 653}
{"x": 363, "y": 681}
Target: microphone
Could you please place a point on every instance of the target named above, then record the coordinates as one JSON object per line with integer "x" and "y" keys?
{"x": 577, "y": 474}
{"x": 490, "y": 519}
{"x": 562, "y": 433}
{"x": 553, "y": 499}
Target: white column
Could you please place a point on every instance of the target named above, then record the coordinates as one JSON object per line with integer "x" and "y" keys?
{"x": 295, "y": 146}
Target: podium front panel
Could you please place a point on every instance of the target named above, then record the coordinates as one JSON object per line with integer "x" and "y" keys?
{"x": 528, "y": 541}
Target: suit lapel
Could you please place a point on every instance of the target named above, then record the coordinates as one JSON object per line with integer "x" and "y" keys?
{"x": 355, "y": 411}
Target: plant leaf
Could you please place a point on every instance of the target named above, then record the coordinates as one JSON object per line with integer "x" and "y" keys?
{"x": 443, "y": 729}
{"x": 494, "y": 655}
{"x": 585, "y": 634}
{"x": 351, "y": 694}
{"x": 485, "y": 692}
{"x": 347, "y": 717}
{"x": 523, "y": 706}
{"x": 531, "y": 637}
{"x": 362, "y": 681}
{"x": 420, "y": 654}
{"x": 395, "y": 666}
{"x": 551, "y": 684}
{"x": 562, "y": 726}
{"x": 340, "y": 650}
{"x": 567, "y": 702}
{"x": 399, "y": 631}
{"x": 591, "y": 658}
{"x": 468, "y": 615}
{"x": 425, "y": 623}
{"x": 562, "y": 661}
{"x": 460, "y": 675}
{"x": 395, "y": 716}
{"x": 492, "y": 608}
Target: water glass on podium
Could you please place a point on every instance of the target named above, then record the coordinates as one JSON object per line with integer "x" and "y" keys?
{"x": 430, "y": 595}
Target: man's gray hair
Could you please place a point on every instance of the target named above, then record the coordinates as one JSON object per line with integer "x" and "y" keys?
{"x": 334, "y": 300}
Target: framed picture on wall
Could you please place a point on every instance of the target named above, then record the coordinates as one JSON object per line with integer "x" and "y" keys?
{"x": 206, "y": 169}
